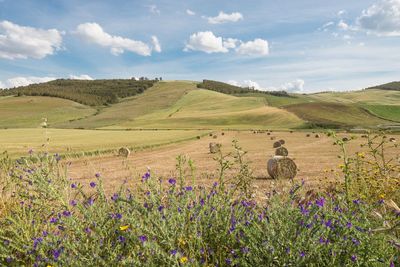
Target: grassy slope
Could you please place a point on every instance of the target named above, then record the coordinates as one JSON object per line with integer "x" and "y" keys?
{"x": 19, "y": 141}
{"x": 376, "y": 97}
{"x": 160, "y": 96}
{"x": 208, "y": 109}
{"x": 28, "y": 111}
{"x": 389, "y": 112}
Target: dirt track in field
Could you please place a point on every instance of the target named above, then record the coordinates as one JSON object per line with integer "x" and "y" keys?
{"x": 312, "y": 155}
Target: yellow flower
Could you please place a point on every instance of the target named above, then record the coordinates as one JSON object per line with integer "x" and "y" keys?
{"x": 183, "y": 260}
{"x": 49, "y": 265}
{"x": 181, "y": 242}
{"x": 124, "y": 227}
{"x": 382, "y": 196}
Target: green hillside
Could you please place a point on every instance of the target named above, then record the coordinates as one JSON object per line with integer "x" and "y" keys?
{"x": 28, "y": 111}
{"x": 388, "y": 86}
{"x": 87, "y": 92}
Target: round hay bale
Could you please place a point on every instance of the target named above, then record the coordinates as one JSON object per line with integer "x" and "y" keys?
{"x": 282, "y": 151}
{"x": 281, "y": 168}
{"x": 222, "y": 133}
{"x": 345, "y": 139}
{"x": 392, "y": 139}
{"x": 210, "y": 134}
{"x": 268, "y": 133}
{"x": 124, "y": 151}
{"x": 317, "y": 136}
{"x": 198, "y": 137}
{"x": 364, "y": 136}
{"x": 308, "y": 135}
{"x": 273, "y": 137}
{"x": 215, "y": 137}
{"x": 277, "y": 144}
{"x": 214, "y": 148}
{"x": 282, "y": 141}
{"x": 291, "y": 131}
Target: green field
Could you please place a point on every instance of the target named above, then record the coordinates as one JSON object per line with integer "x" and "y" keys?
{"x": 20, "y": 141}
{"x": 389, "y": 112}
{"x": 28, "y": 111}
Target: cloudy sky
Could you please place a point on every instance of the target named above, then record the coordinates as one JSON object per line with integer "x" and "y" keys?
{"x": 301, "y": 46}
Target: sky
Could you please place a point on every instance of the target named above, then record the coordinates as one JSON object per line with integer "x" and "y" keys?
{"x": 299, "y": 46}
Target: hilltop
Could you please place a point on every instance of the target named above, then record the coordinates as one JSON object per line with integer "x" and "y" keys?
{"x": 388, "y": 86}
{"x": 130, "y": 104}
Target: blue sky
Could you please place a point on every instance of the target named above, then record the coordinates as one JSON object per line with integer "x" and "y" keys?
{"x": 299, "y": 46}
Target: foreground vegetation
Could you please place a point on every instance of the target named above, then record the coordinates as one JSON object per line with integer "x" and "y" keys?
{"x": 87, "y": 92}
{"x": 47, "y": 219}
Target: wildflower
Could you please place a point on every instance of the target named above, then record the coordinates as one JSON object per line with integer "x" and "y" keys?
{"x": 188, "y": 188}
{"x": 356, "y": 201}
{"x": 121, "y": 239}
{"x": 302, "y": 254}
{"x": 97, "y": 175}
{"x": 353, "y": 258}
{"x": 56, "y": 254}
{"x": 160, "y": 208}
{"x": 143, "y": 238}
{"x": 172, "y": 181}
{"x": 173, "y": 252}
{"x": 181, "y": 242}
{"x": 349, "y": 225}
{"x": 66, "y": 213}
{"x": 183, "y": 260}
{"x": 228, "y": 261}
{"x": 146, "y": 176}
{"x": 73, "y": 186}
{"x": 92, "y": 184}
{"x": 355, "y": 242}
{"x": 320, "y": 202}
{"x": 114, "y": 197}
{"x": 53, "y": 220}
{"x": 73, "y": 203}
{"x": 124, "y": 227}
{"x": 90, "y": 201}
{"x": 87, "y": 230}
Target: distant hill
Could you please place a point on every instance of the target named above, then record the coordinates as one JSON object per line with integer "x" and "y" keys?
{"x": 395, "y": 86}
{"x": 229, "y": 89}
{"x": 87, "y": 92}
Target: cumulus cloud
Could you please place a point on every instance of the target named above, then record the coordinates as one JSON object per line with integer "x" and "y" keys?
{"x": 206, "y": 42}
{"x": 382, "y": 18}
{"x": 21, "y": 42}
{"x": 258, "y": 47}
{"x": 2, "y": 86}
{"x": 343, "y": 25}
{"x": 224, "y": 17}
{"x": 190, "y": 12}
{"x": 154, "y": 9}
{"x": 296, "y": 86}
{"x": 245, "y": 83}
{"x": 156, "y": 44}
{"x": 24, "y": 81}
{"x": 80, "y": 77}
{"x": 209, "y": 43}
{"x": 94, "y": 33}
{"x": 341, "y": 13}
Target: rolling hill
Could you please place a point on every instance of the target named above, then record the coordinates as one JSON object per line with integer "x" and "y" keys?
{"x": 187, "y": 105}
{"x": 388, "y": 86}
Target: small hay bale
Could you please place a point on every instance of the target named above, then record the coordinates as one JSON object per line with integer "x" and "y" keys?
{"x": 282, "y": 151}
{"x": 273, "y": 137}
{"x": 345, "y": 139}
{"x": 392, "y": 139}
{"x": 268, "y": 133}
{"x": 364, "y": 136}
{"x": 210, "y": 134}
{"x": 198, "y": 137}
{"x": 281, "y": 168}
{"x": 291, "y": 131}
{"x": 214, "y": 148}
{"x": 222, "y": 133}
{"x": 317, "y": 136}
{"x": 124, "y": 152}
{"x": 282, "y": 141}
{"x": 277, "y": 144}
{"x": 254, "y": 132}
{"x": 215, "y": 136}
{"x": 308, "y": 135}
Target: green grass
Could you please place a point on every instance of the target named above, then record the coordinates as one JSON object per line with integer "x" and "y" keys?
{"x": 335, "y": 115}
{"x": 389, "y": 112}
{"x": 208, "y": 109}
{"x": 373, "y": 96}
{"x": 280, "y": 101}
{"x": 28, "y": 111}
{"x": 161, "y": 96}
{"x": 20, "y": 141}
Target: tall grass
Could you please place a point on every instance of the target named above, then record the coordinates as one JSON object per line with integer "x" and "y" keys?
{"x": 49, "y": 220}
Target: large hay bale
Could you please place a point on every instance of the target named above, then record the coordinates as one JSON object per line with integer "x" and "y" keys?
{"x": 281, "y": 151}
{"x": 281, "y": 168}
{"x": 282, "y": 141}
{"x": 308, "y": 135}
{"x": 273, "y": 137}
{"x": 276, "y": 144}
{"x": 214, "y": 148}
{"x": 317, "y": 136}
{"x": 124, "y": 151}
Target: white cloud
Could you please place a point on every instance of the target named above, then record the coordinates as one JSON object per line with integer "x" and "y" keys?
{"x": 154, "y": 9}
{"x": 2, "y": 86}
{"x": 341, "y": 13}
{"x": 382, "y": 18}
{"x": 245, "y": 83}
{"x": 223, "y": 18}
{"x": 94, "y": 33}
{"x": 296, "y": 86}
{"x": 21, "y": 42}
{"x": 326, "y": 26}
{"x": 343, "y": 25}
{"x": 206, "y": 42}
{"x": 230, "y": 42}
{"x": 190, "y": 12}
{"x": 80, "y": 77}
{"x": 24, "y": 81}
{"x": 258, "y": 47}
{"x": 156, "y": 44}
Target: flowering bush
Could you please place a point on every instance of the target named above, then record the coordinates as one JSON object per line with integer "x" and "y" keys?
{"x": 49, "y": 220}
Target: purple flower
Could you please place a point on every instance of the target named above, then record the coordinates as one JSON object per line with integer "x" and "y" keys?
{"x": 121, "y": 239}
{"x": 215, "y": 184}
{"x": 355, "y": 242}
{"x": 30, "y": 151}
{"x": 245, "y": 250}
{"x": 66, "y": 213}
{"x": 349, "y": 225}
{"x": 143, "y": 238}
{"x": 114, "y": 197}
{"x": 87, "y": 230}
{"x": 36, "y": 241}
{"x": 173, "y": 252}
{"x": 202, "y": 202}
{"x": 188, "y": 188}
{"x": 53, "y": 220}
{"x": 320, "y": 202}
{"x": 172, "y": 181}
{"x": 92, "y": 184}
{"x": 90, "y": 201}
{"x": 160, "y": 208}
{"x": 302, "y": 254}
{"x": 146, "y": 176}
{"x": 118, "y": 216}
{"x": 73, "y": 186}
{"x": 228, "y": 261}
{"x": 97, "y": 175}
{"x": 73, "y": 203}
{"x": 356, "y": 201}
{"x": 353, "y": 258}
{"x": 56, "y": 254}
